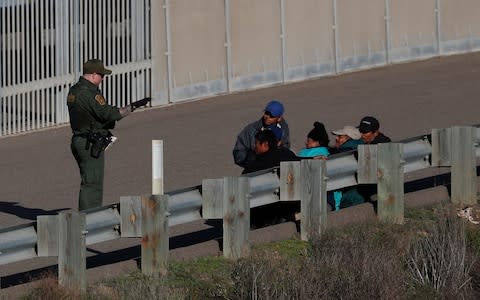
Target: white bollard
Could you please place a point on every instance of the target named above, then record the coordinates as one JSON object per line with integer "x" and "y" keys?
{"x": 157, "y": 167}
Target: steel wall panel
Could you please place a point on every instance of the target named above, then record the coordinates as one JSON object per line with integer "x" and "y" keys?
{"x": 159, "y": 53}
{"x": 413, "y": 29}
{"x": 460, "y": 25}
{"x": 256, "y": 44}
{"x": 309, "y": 38}
{"x": 361, "y": 26}
{"x": 198, "y": 25}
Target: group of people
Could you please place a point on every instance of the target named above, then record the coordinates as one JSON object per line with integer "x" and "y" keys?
{"x": 264, "y": 143}
{"x": 261, "y": 145}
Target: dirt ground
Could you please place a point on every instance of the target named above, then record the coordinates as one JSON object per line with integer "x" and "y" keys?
{"x": 38, "y": 174}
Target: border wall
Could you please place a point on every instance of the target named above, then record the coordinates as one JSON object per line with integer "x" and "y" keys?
{"x": 177, "y": 50}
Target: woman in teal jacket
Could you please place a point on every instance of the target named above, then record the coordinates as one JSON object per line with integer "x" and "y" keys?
{"x": 316, "y": 145}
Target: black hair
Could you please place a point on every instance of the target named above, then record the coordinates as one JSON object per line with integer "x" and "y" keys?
{"x": 267, "y": 136}
{"x": 318, "y": 133}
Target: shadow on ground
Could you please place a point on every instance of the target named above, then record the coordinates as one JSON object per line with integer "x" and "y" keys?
{"x": 24, "y": 212}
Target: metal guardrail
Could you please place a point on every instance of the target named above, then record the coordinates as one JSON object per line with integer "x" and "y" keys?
{"x": 184, "y": 206}
{"x": 17, "y": 243}
{"x": 103, "y": 224}
{"x": 341, "y": 171}
{"x": 416, "y": 155}
{"x": 264, "y": 189}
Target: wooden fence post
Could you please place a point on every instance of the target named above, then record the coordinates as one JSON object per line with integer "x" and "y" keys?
{"x": 130, "y": 216}
{"x": 367, "y": 164}
{"x": 313, "y": 198}
{"x": 390, "y": 195}
{"x": 441, "y": 147}
{"x": 212, "y": 198}
{"x": 290, "y": 184}
{"x": 154, "y": 243}
{"x": 72, "y": 251}
{"x": 464, "y": 168}
{"x": 236, "y": 219}
{"x": 47, "y": 235}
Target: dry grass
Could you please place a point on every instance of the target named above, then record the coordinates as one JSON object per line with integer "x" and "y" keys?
{"x": 352, "y": 264}
{"x": 430, "y": 257}
{"x": 440, "y": 262}
{"x": 48, "y": 289}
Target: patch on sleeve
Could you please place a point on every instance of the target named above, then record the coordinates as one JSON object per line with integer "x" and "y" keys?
{"x": 100, "y": 99}
{"x": 71, "y": 98}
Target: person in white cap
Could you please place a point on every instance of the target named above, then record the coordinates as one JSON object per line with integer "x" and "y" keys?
{"x": 346, "y": 139}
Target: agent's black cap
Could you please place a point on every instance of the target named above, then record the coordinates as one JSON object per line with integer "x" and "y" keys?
{"x": 368, "y": 124}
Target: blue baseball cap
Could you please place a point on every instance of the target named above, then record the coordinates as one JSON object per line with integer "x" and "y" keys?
{"x": 275, "y": 108}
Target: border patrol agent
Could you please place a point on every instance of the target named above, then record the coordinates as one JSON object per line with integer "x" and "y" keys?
{"x": 91, "y": 118}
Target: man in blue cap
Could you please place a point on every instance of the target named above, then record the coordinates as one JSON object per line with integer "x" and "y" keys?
{"x": 244, "y": 149}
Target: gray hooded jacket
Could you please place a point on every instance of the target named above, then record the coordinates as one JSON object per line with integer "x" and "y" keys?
{"x": 244, "y": 149}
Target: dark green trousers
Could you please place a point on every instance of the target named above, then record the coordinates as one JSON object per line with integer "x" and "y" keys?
{"x": 91, "y": 173}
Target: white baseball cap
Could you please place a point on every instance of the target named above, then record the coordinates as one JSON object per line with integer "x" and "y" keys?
{"x": 350, "y": 131}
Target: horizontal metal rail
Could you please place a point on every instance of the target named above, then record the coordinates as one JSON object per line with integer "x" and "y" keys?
{"x": 264, "y": 189}
{"x": 102, "y": 225}
{"x": 184, "y": 207}
{"x": 17, "y": 243}
{"x": 416, "y": 155}
{"x": 341, "y": 171}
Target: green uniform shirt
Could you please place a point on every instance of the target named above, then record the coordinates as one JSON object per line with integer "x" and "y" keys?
{"x": 88, "y": 109}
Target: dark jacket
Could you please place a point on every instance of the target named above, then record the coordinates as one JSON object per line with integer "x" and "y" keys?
{"x": 244, "y": 149}
{"x": 88, "y": 109}
{"x": 380, "y": 138}
{"x": 351, "y": 144}
{"x": 270, "y": 159}
{"x": 367, "y": 190}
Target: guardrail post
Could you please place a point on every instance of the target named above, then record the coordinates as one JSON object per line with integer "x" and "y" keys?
{"x": 236, "y": 219}
{"x": 154, "y": 243}
{"x": 212, "y": 198}
{"x": 367, "y": 164}
{"x": 441, "y": 147}
{"x": 390, "y": 183}
{"x": 72, "y": 251}
{"x": 290, "y": 184}
{"x": 313, "y": 198}
{"x": 464, "y": 173}
{"x": 47, "y": 235}
{"x": 131, "y": 216}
